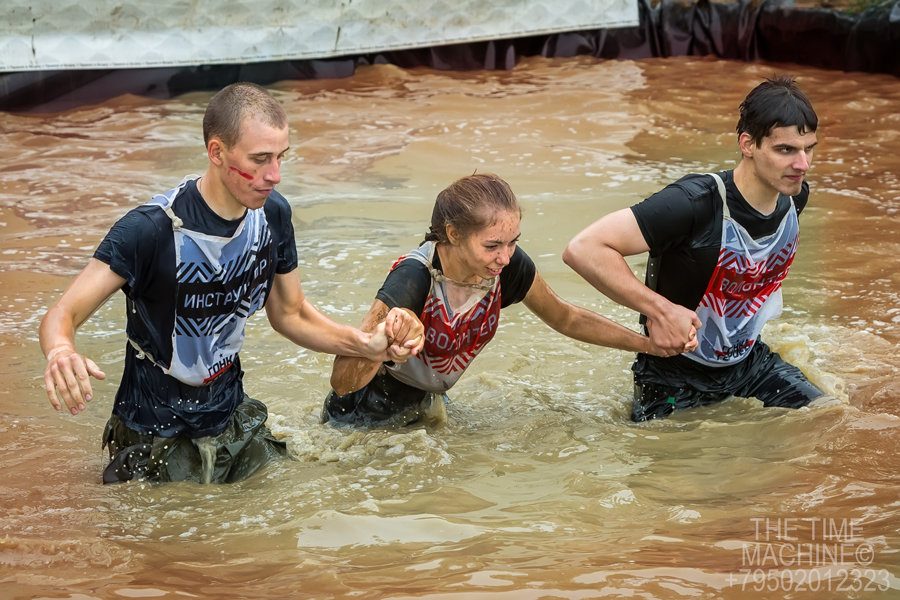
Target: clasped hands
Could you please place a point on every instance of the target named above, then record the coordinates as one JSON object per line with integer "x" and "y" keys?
{"x": 675, "y": 332}
{"x": 401, "y": 335}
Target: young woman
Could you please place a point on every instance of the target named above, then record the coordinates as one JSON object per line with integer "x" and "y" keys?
{"x": 467, "y": 269}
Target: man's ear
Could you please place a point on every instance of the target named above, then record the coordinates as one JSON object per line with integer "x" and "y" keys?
{"x": 214, "y": 150}
{"x": 746, "y": 144}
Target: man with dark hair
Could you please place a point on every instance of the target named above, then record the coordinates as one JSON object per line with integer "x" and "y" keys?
{"x": 194, "y": 264}
{"x": 720, "y": 245}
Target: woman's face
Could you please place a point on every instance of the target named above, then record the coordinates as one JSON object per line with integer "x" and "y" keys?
{"x": 484, "y": 253}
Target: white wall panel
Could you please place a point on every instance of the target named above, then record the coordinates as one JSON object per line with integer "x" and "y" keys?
{"x": 97, "y": 34}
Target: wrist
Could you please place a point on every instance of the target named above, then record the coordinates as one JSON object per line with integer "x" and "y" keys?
{"x": 657, "y": 308}
{"x": 57, "y": 350}
{"x": 364, "y": 342}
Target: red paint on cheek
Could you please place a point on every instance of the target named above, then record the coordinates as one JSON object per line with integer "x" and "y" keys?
{"x": 246, "y": 176}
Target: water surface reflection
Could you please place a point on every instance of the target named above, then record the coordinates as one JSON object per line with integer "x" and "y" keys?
{"x": 538, "y": 486}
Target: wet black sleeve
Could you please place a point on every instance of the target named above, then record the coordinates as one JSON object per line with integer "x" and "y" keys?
{"x": 278, "y": 214}
{"x": 132, "y": 247}
{"x": 406, "y": 286}
{"x": 680, "y": 225}
{"x": 516, "y": 278}
{"x": 667, "y": 218}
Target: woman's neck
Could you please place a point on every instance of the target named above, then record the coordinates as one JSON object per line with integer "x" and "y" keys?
{"x": 451, "y": 265}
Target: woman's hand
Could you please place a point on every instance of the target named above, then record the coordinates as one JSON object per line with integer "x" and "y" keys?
{"x": 405, "y": 334}
{"x": 688, "y": 346}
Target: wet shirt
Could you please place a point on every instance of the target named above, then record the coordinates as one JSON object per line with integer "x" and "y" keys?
{"x": 744, "y": 291}
{"x": 141, "y": 248}
{"x": 682, "y": 225}
{"x": 452, "y": 339}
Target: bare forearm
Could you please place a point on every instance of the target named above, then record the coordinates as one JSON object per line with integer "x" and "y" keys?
{"x": 67, "y": 375}
{"x": 87, "y": 292}
{"x": 56, "y": 331}
{"x": 607, "y": 270}
{"x": 598, "y": 255}
{"x": 311, "y": 329}
{"x": 350, "y": 373}
{"x": 586, "y": 326}
{"x": 592, "y": 328}
{"x": 398, "y": 327}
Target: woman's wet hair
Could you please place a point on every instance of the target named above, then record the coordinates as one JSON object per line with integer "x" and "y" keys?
{"x": 776, "y": 102}
{"x": 469, "y": 204}
{"x": 229, "y": 106}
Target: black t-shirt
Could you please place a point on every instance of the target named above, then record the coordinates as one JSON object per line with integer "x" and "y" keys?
{"x": 408, "y": 283}
{"x": 682, "y": 225}
{"x": 140, "y": 248}
{"x": 385, "y": 398}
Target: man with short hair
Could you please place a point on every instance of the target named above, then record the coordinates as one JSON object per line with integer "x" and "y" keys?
{"x": 194, "y": 264}
{"x": 719, "y": 246}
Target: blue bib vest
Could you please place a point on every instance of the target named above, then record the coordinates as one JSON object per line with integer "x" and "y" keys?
{"x": 219, "y": 283}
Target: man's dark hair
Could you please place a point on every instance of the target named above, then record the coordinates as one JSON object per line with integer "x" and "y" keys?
{"x": 776, "y": 102}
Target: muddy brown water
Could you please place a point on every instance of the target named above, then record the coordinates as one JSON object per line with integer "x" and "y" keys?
{"x": 538, "y": 485}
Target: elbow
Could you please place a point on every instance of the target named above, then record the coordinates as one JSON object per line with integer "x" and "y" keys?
{"x": 335, "y": 380}
{"x": 277, "y": 327}
{"x": 342, "y": 377}
{"x": 567, "y": 255}
{"x": 571, "y": 254}
{"x": 340, "y": 387}
{"x": 277, "y": 321}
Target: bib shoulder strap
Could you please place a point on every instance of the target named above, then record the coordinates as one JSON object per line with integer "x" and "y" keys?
{"x": 721, "y": 185}
{"x": 177, "y": 223}
{"x": 142, "y": 354}
{"x": 165, "y": 201}
{"x": 425, "y": 255}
